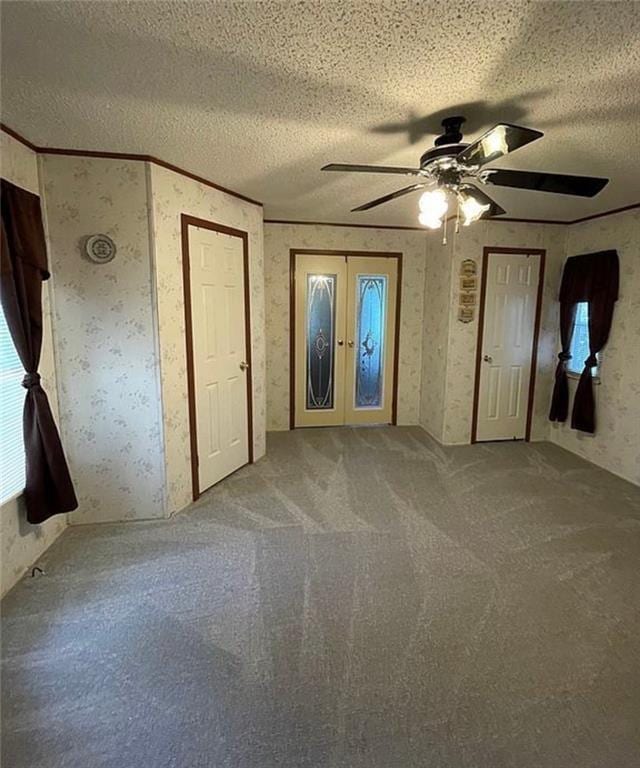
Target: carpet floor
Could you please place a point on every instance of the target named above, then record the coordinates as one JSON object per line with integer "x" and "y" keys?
{"x": 360, "y": 598}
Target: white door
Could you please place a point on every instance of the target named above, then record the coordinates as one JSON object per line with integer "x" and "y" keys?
{"x": 219, "y": 353}
{"x": 345, "y": 313}
{"x": 507, "y": 345}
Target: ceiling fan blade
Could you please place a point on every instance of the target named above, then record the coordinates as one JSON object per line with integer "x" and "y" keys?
{"x": 371, "y": 169}
{"x": 581, "y": 186}
{"x": 484, "y": 199}
{"x": 390, "y": 196}
{"x": 499, "y": 141}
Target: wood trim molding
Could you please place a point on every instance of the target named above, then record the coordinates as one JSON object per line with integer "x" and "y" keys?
{"x": 187, "y": 221}
{"x": 293, "y": 252}
{"x": 126, "y": 156}
{"x": 339, "y": 224}
{"x": 486, "y": 251}
{"x": 612, "y": 212}
{"x": 15, "y": 135}
{"x": 240, "y": 196}
{"x": 534, "y": 346}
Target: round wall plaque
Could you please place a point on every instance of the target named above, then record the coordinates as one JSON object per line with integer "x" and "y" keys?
{"x": 100, "y": 248}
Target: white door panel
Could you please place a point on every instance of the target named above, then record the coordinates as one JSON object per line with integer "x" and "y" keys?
{"x": 219, "y": 344}
{"x": 507, "y": 345}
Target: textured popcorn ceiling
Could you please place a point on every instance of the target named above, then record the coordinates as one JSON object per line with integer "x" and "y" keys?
{"x": 258, "y": 96}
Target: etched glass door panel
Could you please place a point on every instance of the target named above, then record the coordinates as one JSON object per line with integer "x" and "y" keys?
{"x": 371, "y": 314}
{"x": 320, "y": 285}
{"x": 370, "y": 340}
{"x": 321, "y": 315}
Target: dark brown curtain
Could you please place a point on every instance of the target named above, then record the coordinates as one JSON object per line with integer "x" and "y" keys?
{"x": 560, "y": 401}
{"x": 23, "y": 264}
{"x": 594, "y": 278}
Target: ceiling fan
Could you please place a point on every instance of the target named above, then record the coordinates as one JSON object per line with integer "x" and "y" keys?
{"x": 457, "y": 168}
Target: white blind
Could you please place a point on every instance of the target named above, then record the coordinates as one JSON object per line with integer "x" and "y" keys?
{"x": 12, "y": 394}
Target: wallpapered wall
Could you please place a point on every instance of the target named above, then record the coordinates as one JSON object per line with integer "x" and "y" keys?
{"x": 105, "y": 340}
{"x": 21, "y": 543}
{"x": 616, "y": 444}
{"x": 462, "y": 342}
{"x": 278, "y": 239}
{"x": 172, "y": 195}
{"x": 435, "y": 333}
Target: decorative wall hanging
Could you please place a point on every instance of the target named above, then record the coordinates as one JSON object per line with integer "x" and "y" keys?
{"x": 468, "y": 288}
{"x": 468, "y": 268}
{"x": 100, "y": 249}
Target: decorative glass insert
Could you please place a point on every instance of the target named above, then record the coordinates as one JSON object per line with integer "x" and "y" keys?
{"x": 370, "y": 328}
{"x": 579, "y": 347}
{"x": 321, "y": 314}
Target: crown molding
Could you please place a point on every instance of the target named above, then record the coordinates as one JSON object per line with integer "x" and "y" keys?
{"x": 202, "y": 180}
{"x": 341, "y": 224}
{"x": 126, "y": 156}
{"x": 556, "y": 222}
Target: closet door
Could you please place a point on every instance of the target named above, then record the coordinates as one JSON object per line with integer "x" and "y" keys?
{"x": 320, "y": 315}
{"x": 219, "y": 348}
{"x": 371, "y": 318}
{"x": 507, "y": 345}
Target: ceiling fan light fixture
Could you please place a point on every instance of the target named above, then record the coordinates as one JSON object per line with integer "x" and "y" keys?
{"x": 434, "y": 204}
{"x": 427, "y": 220}
{"x": 471, "y": 209}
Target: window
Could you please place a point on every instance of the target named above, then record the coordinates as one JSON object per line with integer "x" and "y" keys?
{"x": 12, "y": 394}
{"x": 579, "y": 348}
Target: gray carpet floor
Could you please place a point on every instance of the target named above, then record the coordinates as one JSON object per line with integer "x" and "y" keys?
{"x": 357, "y": 599}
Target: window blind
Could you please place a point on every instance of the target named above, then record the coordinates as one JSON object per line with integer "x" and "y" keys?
{"x": 12, "y": 395}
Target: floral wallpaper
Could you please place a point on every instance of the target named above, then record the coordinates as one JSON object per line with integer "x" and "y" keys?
{"x": 105, "y": 339}
{"x": 435, "y": 334}
{"x": 21, "y": 543}
{"x": 172, "y": 195}
{"x": 461, "y": 352}
{"x": 278, "y": 239}
{"x": 616, "y": 444}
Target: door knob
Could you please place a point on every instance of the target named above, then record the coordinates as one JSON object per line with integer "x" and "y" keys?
{"x": 350, "y": 343}
{"x": 244, "y": 366}
{"x": 340, "y": 342}
{"x": 488, "y": 359}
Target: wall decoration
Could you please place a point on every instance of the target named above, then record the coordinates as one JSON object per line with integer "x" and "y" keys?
{"x": 468, "y": 283}
{"x": 465, "y": 314}
{"x": 100, "y": 249}
{"x": 468, "y": 288}
{"x": 468, "y": 268}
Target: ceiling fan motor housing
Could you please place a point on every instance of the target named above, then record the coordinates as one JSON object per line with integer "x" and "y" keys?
{"x": 447, "y": 145}
{"x": 444, "y": 150}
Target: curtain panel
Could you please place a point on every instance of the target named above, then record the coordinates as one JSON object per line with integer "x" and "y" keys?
{"x": 23, "y": 267}
{"x": 592, "y": 278}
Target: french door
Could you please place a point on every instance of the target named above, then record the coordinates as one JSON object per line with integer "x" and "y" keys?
{"x": 344, "y": 340}
{"x": 507, "y": 345}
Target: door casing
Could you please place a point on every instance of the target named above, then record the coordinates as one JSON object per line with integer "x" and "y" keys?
{"x": 486, "y": 255}
{"x": 293, "y": 252}
{"x": 186, "y": 221}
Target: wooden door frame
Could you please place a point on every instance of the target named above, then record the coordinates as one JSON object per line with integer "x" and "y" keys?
{"x": 187, "y": 221}
{"x": 536, "y": 332}
{"x": 293, "y": 252}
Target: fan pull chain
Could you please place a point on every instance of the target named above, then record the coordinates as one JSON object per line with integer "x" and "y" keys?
{"x": 444, "y": 231}
{"x": 457, "y": 230}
